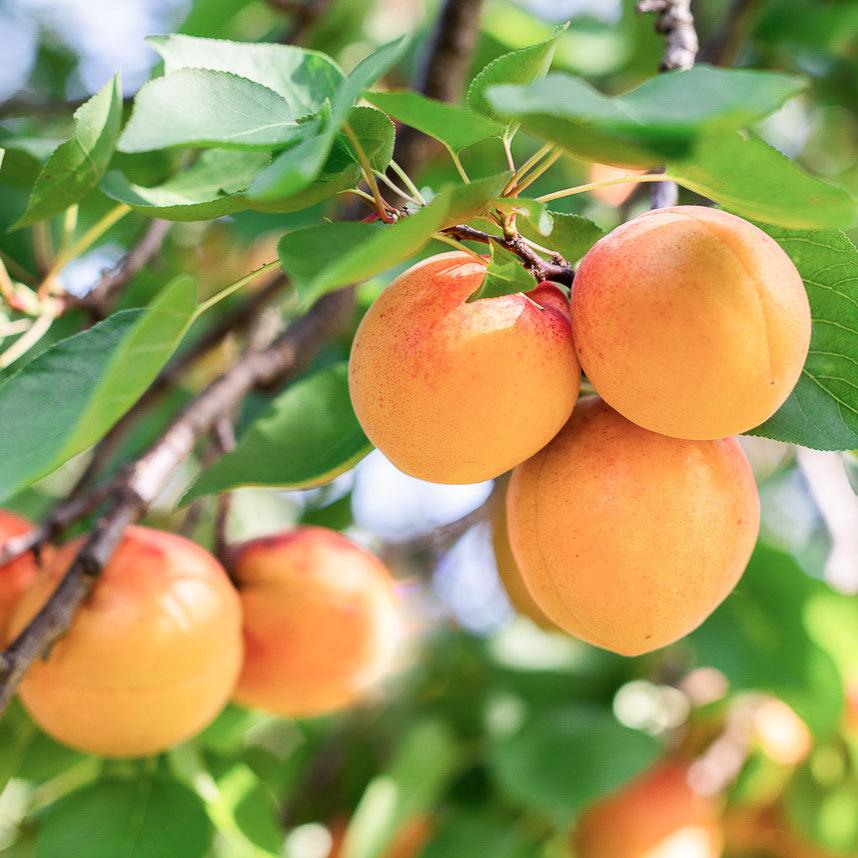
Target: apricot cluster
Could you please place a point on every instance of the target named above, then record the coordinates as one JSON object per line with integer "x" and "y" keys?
{"x": 632, "y": 519}
{"x": 165, "y": 640}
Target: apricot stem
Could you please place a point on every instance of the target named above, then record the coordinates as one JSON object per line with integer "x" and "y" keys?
{"x": 532, "y": 161}
{"x": 406, "y": 179}
{"x": 546, "y": 165}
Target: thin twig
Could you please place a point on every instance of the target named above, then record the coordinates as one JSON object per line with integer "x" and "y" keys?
{"x": 101, "y": 298}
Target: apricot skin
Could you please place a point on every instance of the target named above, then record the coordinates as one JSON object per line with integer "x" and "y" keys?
{"x": 691, "y": 322}
{"x": 453, "y": 392}
{"x": 321, "y": 621}
{"x": 151, "y": 657}
{"x": 628, "y": 539}
{"x": 17, "y": 576}
{"x": 655, "y": 816}
{"x": 507, "y": 567}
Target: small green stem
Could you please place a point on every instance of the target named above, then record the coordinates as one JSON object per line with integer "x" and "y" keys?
{"x": 592, "y": 186}
{"x": 368, "y": 174}
{"x": 531, "y": 162}
{"x": 459, "y": 166}
{"x": 233, "y": 287}
{"x": 544, "y": 167}
{"x": 358, "y": 193}
{"x": 27, "y": 340}
{"x": 507, "y": 148}
{"x": 82, "y": 244}
{"x": 69, "y": 226}
{"x": 396, "y": 189}
{"x": 406, "y": 179}
{"x": 439, "y": 236}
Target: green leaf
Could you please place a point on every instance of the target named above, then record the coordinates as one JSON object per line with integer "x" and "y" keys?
{"x": 77, "y": 165}
{"x": 659, "y": 119}
{"x": 326, "y": 257}
{"x": 466, "y": 833}
{"x": 307, "y": 437}
{"x": 505, "y": 275}
{"x": 822, "y": 410}
{"x": 822, "y": 810}
{"x": 212, "y": 187}
{"x": 67, "y": 398}
{"x": 752, "y": 179}
{"x": 570, "y": 235}
{"x": 468, "y": 201}
{"x": 564, "y": 760}
{"x": 376, "y": 133}
{"x": 456, "y": 127}
{"x": 198, "y": 107}
{"x": 412, "y": 785}
{"x": 519, "y": 67}
{"x": 759, "y": 638}
{"x": 126, "y": 818}
{"x": 296, "y": 168}
{"x": 304, "y": 78}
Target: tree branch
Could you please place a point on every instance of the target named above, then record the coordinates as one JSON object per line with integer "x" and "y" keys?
{"x": 723, "y": 48}
{"x": 676, "y": 22}
{"x": 557, "y": 270}
{"x": 100, "y": 299}
{"x": 442, "y": 75}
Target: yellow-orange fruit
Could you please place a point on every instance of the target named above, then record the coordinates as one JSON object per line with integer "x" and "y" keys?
{"x": 657, "y": 815}
{"x": 321, "y": 621}
{"x": 612, "y": 195}
{"x": 691, "y": 322}
{"x": 453, "y": 392}
{"x": 151, "y": 657}
{"x": 508, "y": 571}
{"x": 17, "y": 576}
{"x": 628, "y": 539}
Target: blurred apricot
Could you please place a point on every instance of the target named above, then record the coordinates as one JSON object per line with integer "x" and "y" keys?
{"x": 457, "y": 392}
{"x": 17, "y": 576}
{"x": 321, "y": 621}
{"x": 657, "y": 815}
{"x": 150, "y": 658}
{"x": 628, "y": 539}
{"x": 691, "y": 322}
{"x": 781, "y": 734}
{"x": 612, "y": 195}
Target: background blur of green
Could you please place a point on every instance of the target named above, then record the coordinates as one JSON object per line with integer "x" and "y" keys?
{"x": 497, "y": 732}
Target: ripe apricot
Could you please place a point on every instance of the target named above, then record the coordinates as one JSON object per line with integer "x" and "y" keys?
{"x": 612, "y": 195}
{"x": 507, "y": 567}
{"x": 150, "y": 658}
{"x": 691, "y": 322}
{"x": 17, "y": 576}
{"x": 321, "y": 621}
{"x": 454, "y": 392}
{"x": 657, "y": 815}
{"x": 628, "y": 539}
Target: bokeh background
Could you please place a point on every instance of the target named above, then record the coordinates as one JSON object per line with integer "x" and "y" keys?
{"x": 494, "y": 733}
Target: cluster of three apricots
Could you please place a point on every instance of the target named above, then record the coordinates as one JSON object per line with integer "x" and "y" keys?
{"x": 165, "y": 640}
{"x": 631, "y": 520}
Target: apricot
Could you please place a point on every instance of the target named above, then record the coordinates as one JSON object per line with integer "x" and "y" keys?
{"x": 321, "y": 621}
{"x": 612, "y": 195}
{"x": 691, "y": 322}
{"x": 657, "y": 815}
{"x": 628, "y": 539}
{"x": 453, "y": 392}
{"x": 507, "y": 567}
{"x": 151, "y": 657}
{"x": 17, "y": 576}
